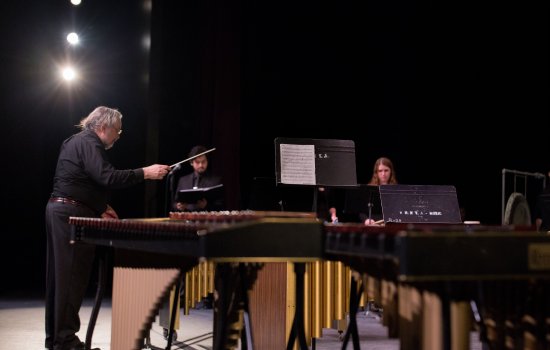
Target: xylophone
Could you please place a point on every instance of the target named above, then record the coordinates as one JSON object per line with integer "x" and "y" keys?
{"x": 431, "y": 275}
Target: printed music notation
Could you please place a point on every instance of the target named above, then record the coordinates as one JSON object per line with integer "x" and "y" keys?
{"x": 298, "y": 164}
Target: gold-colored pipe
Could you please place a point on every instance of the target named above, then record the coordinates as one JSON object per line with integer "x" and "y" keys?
{"x": 308, "y": 297}
{"x": 339, "y": 291}
{"x": 317, "y": 314}
{"x": 328, "y": 294}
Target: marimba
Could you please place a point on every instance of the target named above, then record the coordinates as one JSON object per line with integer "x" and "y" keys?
{"x": 426, "y": 274}
{"x": 432, "y": 274}
{"x": 153, "y": 252}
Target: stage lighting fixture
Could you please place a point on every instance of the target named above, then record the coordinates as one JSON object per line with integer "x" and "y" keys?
{"x": 68, "y": 73}
{"x": 72, "y": 38}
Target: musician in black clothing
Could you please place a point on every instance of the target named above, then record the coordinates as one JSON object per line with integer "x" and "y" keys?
{"x": 83, "y": 178}
{"x": 201, "y": 177}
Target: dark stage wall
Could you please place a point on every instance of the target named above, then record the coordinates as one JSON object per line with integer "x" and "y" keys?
{"x": 452, "y": 93}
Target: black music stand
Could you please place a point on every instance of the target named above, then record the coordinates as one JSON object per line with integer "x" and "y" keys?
{"x": 312, "y": 163}
{"x": 315, "y": 162}
{"x": 364, "y": 200}
{"x": 433, "y": 204}
{"x": 193, "y": 195}
{"x": 266, "y": 195}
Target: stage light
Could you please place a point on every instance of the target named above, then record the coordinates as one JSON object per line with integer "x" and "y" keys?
{"x": 148, "y": 5}
{"x": 76, "y": 2}
{"x": 146, "y": 42}
{"x": 68, "y": 73}
{"x": 72, "y": 38}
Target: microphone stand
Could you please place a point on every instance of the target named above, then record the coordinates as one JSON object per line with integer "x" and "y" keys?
{"x": 371, "y": 199}
{"x": 370, "y": 205}
{"x": 169, "y": 189}
{"x": 167, "y": 194}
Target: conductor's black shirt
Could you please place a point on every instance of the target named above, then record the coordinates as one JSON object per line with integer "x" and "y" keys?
{"x": 84, "y": 173}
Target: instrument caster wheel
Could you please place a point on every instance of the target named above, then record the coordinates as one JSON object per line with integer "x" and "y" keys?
{"x": 165, "y": 334}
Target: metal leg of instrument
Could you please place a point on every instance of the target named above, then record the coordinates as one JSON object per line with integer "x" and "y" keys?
{"x": 355, "y": 297}
{"x": 220, "y": 307}
{"x": 228, "y": 307}
{"x": 477, "y": 313}
{"x": 147, "y": 342}
{"x": 246, "y": 334}
{"x": 175, "y": 309}
{"x": 298, "y": 329}
{"x": 102, "y": 262}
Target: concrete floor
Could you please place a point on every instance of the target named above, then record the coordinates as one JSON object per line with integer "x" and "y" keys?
{"x": 22, "y": 327}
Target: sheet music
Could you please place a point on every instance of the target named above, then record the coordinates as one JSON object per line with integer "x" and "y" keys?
{"x": 298, "y": 164}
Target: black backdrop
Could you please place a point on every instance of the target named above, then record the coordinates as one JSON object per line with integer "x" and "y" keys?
{"x": 452, "y": 93}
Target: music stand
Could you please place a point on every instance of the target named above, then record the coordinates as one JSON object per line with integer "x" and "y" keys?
{"x": 312, "y": 163}
{"x": 315, "y": 162}
{"x": 436, "y": 204}
{"x": 213, "y": 195}
{"x": 364, "y": 199}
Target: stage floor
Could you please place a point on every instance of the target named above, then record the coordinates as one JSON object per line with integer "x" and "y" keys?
{"x": 22, "y": 327}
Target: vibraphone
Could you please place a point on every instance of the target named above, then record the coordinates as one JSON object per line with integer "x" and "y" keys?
{"x": 152, "y": 253}
{"x": 431, "y": 275}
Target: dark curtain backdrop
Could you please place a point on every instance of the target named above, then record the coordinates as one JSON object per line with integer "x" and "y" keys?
{"x": 195, "y": 79}
{"x": 38, "y": 111}
{"x": 451, "y": 92}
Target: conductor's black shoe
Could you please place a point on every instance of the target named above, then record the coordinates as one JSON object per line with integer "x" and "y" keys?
{"x": 81, "y": 346}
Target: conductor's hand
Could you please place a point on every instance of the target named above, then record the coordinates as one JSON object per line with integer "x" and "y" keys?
{"x": 155, "y": 171}
{"x": 109, "y": 213}
{"x": 181, "y": 206}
